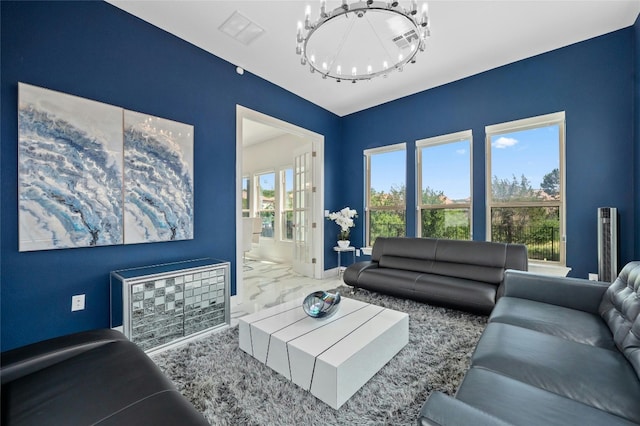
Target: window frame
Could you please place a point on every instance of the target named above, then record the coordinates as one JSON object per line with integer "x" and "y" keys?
{"x": 248, "y": 211}
{"x": 553, "y": 119}
{"x": 282, "y": 202}
{"x": 258, "y": 197}
{"x": 465, "y": 135}
{"x": 367, "y": 208}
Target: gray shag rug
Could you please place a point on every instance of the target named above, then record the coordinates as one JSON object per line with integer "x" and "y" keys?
{"x": 232, "y": 388}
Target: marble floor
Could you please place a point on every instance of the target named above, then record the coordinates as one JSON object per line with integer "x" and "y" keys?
{"x": 267, "y": 284}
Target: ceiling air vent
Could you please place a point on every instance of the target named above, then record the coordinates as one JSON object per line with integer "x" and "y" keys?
{"x": 403, "y": 41}
{"x": 241, "y": 28}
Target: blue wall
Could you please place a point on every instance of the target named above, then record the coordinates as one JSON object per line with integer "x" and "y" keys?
{"x": 96, "y": 51}
{"x": 591, "y": 81}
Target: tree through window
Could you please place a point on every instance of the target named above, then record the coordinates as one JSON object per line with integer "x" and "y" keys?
{"x": 386, "y": 189}
{"x": 525, "y": 196}
{"x": 444, "y": 197}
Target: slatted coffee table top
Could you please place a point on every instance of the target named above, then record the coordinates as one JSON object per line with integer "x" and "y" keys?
{"x": 330, "y": 357}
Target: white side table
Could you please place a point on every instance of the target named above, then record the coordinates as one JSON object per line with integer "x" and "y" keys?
{"x": 341, "y": 250}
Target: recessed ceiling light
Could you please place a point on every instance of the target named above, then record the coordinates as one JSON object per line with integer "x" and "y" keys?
{"x": 241, "y": 28}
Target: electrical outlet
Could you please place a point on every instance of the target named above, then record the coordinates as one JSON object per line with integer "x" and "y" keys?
{"x": 593, "y": 277}
{"x": 77, "y": 302}
{"x": 357, "y": 252}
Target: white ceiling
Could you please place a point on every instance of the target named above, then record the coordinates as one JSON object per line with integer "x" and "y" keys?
{"x": 468, "y": 37}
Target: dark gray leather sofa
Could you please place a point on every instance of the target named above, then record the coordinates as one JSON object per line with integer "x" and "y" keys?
{"x": 89, "y": 378}
{"x": 556, "y": 351}
{"x": 462, "y": 274}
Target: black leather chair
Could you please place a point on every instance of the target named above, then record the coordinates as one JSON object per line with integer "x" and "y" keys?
{"x": 90, "y": 378}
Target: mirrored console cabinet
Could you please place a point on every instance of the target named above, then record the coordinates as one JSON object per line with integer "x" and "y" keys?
{"x": 160, "y": 305}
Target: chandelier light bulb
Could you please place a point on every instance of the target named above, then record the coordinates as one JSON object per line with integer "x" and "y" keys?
{"x": 354, "y": 71}
{"x": 339, "y": 70}
{"x": 324, "y": 66}
{"x": 307, "y": 18}
{"x": 425, "y": 15}
{"x": 369, "y": 69}
{"x": 385, "y": 65}
{"x": 299, "y": 36}
{"x": 414, "y": 7}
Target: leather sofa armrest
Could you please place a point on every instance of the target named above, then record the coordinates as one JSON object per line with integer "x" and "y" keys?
{"x": 574, "y": 293}
{"x": 353, "y": 271}
{"x": 28, "y": 359}
{"x": 443, "y": 410}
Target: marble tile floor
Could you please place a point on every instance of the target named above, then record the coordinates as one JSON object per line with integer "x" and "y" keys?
{"x": 268, "y": 284}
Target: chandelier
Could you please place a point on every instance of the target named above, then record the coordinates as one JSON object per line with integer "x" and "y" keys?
{"x": 362, "y": 40}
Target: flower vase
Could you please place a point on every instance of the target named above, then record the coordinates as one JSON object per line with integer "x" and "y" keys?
{"x": 343, "y": 243}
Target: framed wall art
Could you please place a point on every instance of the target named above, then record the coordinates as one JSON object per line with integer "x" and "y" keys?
{"x": 93, "y": 174}
{"x": 70, "y": 165}
{"x": 158, "y": 179}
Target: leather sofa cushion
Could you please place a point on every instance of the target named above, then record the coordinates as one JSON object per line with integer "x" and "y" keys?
{"x": 487, "y": 274}
{"x": 457, "y": 292}
{"x": 481, "y": 253}
{"x": 594, "y": 376}
{"x": 620, "y": 309}
{"x": 405, "y": 263}
{"x": 107, "y": 382}
{"x": 571, "y": 324}
{"x": 459, "y": 270}
{"x": 387, "y": 279}
{"x": 413, "y": 248}
{"x": 473, "y": 260}
{"x": 521, "y": 404}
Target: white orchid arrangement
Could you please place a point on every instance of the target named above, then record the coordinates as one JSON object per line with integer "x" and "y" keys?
{"x": 344, "y": 219}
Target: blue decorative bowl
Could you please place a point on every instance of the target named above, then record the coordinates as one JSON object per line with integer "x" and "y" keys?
{"x": 320, "y": 304}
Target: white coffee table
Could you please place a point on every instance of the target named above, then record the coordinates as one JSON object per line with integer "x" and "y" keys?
{"x": 330, "y": 357}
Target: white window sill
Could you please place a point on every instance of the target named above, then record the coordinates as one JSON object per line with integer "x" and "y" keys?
{"x": 549, "y": 269}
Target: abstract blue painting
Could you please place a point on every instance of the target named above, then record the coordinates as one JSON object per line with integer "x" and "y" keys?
{"x": 92, "y": 174}
{"x": 70, "y": 165}
{"x": 158, "y": 164}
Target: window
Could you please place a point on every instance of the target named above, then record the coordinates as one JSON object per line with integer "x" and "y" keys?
{"x": 385, "y": 197}
{"x": 286, "y": 195}
{"x": 266, "y": 184}
{"x": 444, "y": 186}
{"x": 246, "y": 197}
{"x": 525, "y": 185}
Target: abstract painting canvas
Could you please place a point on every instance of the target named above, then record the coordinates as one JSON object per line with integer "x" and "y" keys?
{"x": 70, "y": 165}
{"x": 158, "y": 179}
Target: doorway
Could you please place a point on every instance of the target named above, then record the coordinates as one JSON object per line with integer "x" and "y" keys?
{"x": 306, "y": 228}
